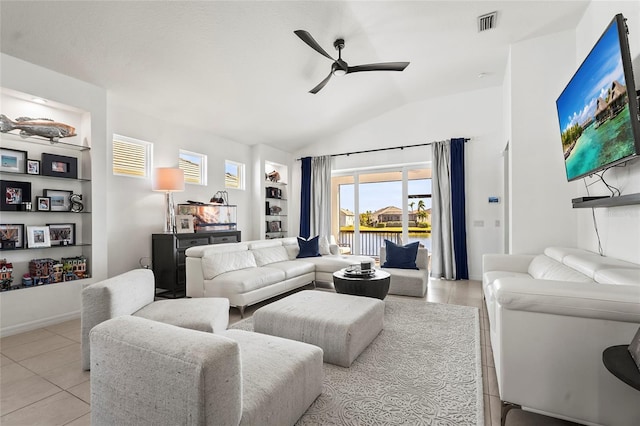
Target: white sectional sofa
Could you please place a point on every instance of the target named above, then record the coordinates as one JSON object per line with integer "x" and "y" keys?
{"x": 551, "y": 317}
{"x": 250, "y": 272}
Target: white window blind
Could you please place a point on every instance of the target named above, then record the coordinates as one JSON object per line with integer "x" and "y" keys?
{"x": 131, "y": 157}
{"x": 233, "y": 175}
{"x": 194, "y": 166}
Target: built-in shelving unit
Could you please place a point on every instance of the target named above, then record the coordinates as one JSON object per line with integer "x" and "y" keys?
{"x": 276, "y": 195}
{"x": 623, "y": 200}
{"x": 77, "y": 147}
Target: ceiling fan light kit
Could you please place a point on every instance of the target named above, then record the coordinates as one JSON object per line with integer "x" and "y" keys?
{"x": 339, "y": 66}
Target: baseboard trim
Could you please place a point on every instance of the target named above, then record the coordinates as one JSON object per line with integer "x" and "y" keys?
{"x": 33, "y": 325}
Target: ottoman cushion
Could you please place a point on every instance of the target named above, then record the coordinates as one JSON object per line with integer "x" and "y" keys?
{"x": 280, "y": 378}
{"x": 210, "y": 314}
{"x": 342, "y": 325}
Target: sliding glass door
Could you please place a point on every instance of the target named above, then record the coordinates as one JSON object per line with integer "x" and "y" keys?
{"x": 373, "y": 206}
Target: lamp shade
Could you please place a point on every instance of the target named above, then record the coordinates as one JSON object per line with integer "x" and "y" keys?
{"x": 168, "y": 179}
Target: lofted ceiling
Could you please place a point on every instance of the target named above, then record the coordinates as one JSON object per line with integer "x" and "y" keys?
{"x": 236, "y": 69}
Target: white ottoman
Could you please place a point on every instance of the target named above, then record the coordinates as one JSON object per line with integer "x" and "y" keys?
{"x": 342, "y": 325}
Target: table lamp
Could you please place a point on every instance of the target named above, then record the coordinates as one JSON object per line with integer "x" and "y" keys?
{"x": 169, "y": 180}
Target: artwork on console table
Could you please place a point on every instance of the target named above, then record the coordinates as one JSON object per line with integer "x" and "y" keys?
{"x": 62, "y": 234}
{"x": 14, "y": 193}
{"x": 13, "y": 160}
{"x": 184, "y": 223}
{"x": 38, "y": 236}
{"x": 12, "y": 236}
{"x": 60, "y": 199}
{"x": 59, "y": 166}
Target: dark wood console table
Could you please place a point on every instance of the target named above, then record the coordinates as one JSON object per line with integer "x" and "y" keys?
{"x": 167, "y": 252}
{"x": 618, "y": 361}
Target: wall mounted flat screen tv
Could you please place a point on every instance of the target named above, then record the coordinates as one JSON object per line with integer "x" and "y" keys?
{"x": 598, "y": 110}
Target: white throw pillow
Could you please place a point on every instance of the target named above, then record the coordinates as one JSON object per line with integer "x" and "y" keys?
{"x": 323, "y": 246}
{"x": 219, "y": 263}
{"x": 292, "y": 250}
{"x": 269, "y": 255}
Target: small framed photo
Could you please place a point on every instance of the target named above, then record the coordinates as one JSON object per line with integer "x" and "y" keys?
{"x": 14, "y": 193}
{"x": 275, "y": 226}
{"x": 38, "y": 236}
{"x": 12, "y": 236}
{"x": 60, "y": 199}
{"x": 62, "y": 234}
{"x": 13, "y": 160}
{"x": 59, "y": 166}
{"x": 43, "y": 204}
{"x": 184, "y": 224}
{"x": 33, "y": 167}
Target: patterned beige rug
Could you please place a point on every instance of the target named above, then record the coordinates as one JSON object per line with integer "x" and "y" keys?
{"x": 423, "y": 369}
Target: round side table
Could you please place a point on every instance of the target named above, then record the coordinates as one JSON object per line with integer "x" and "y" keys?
{"x": 375, "y": 286}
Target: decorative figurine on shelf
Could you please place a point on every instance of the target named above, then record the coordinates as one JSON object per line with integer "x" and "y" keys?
{"x": 274, "y": 176}
{"x": 76, "y": 265}
{"x": 6, "y": 269}
{"x": 76, "y": 205}
{"x": 41, "y": 270}
{"x": 44, "y": 127}
{"x": 274, "y": 210}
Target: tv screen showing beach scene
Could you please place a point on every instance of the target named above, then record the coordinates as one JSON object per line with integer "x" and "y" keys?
{"x": 597, "y": 110}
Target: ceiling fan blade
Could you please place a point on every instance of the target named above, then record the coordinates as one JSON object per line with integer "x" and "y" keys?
{"x": 384, "y": 66}
{"x": 321, "y": 84}
{"x": 306, "y": 37}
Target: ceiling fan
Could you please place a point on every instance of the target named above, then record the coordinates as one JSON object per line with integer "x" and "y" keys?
{"x": 340, "y": 67}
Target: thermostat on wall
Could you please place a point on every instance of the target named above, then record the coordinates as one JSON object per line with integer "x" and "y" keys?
{"x": 494, "y": 200}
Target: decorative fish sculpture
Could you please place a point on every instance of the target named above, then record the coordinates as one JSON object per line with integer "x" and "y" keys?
{"x": 44, "y": 127}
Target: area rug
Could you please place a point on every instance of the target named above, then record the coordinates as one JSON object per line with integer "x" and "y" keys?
{"x": 424, "y": 368}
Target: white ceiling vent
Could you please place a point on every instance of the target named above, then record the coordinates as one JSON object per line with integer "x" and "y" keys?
{"x": 487, "y": 22}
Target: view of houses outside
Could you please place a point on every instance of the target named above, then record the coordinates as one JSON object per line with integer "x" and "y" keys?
{"x": 380, "y": 211}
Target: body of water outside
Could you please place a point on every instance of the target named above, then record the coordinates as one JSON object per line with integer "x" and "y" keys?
{"x": 370, "y": 242}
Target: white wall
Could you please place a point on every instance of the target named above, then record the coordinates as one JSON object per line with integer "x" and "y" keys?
{"x": 541, "y": 209}
{"x": 475, "y": 114}
{"x": 619, "y": 227}
{"x": 134, "y": 211}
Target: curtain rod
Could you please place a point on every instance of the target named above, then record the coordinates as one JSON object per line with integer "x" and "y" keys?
{"x": 384, "y": 149}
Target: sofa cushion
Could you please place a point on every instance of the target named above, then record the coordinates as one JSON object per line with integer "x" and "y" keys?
{"x": 491, "y": 276}
{"x": 268, "y": 255}
{"x": 543, "y": 267}
{"x": 408, "y": 282}
{"x": 202, "y": 251}
{"x": 334, "y": 263}
{"x": 401, "y": 257}
{"x": 292, "y": 250}
{"x": 559, "y": 253}
{"x": 618, "y": 276}
{"x": 308, "y": 248}
{"x": 260, "y": 244}
{"x": 246, "y": 280}
{"x": 589, "y": 263}
{"x": 294, "y": 268}
{"x": 214, "y": 264}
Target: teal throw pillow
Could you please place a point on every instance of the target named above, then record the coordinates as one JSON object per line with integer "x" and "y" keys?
{"x": 401, "y": 257}
{"x": 308, "y": 248}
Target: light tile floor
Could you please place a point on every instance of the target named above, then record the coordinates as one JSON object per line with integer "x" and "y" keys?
{"x": 42, "y": 381}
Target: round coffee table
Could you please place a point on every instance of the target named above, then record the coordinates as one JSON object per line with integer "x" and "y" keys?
{"x": 376, "y": 285}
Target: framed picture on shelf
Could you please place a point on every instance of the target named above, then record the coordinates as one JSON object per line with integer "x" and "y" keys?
{"x": 59, "y": 166}
{"x": 33, "y": 167}
{"x": 38, "y": 236}
{"x": 275, "y": 226}
{"x": 43, "y": 204}
{"x": 13, "y": 160}
{"x": 12, "y": 236}
{"x": 62, "y": 234}
{"x": 14, "y": 193}
{"x": 60, "y": 199}
{"x": 184, "y": 224}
